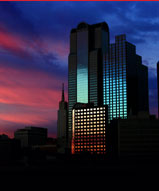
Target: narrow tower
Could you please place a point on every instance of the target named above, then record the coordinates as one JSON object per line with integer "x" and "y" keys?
{"x": 62, "y": 123}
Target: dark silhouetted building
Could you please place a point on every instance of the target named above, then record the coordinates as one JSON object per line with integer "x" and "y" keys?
{"x": 62, "y": 123}
{"x": 142, "y": 84}
{"x": 135, "y": 137}
{"x": 48, "y": 150}
{"x": 89, "y": 128}
{"x": 9, "y": 148}
{"x": 125, "y": 80}
{"x": 88, "y": 47}
{"x": 31, "y": 136}
{"x": 158, "y": 84}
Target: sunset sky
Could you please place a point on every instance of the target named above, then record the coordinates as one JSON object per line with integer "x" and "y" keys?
{"x": 34, "y": 47}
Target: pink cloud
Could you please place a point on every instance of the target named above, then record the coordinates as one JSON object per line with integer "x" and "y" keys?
{"x": 19, "y": 118}
{"x": 14, "y": 43}
{"x": 29, "y": 88}
{"x": 29, "y": 97}
{"x": 61, "y": 48}
{"x": 27, "y": 47}
{"x": 37, "y": 93}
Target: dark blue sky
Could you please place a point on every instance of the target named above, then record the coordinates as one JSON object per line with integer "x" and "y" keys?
{"x": 34, "y": 47}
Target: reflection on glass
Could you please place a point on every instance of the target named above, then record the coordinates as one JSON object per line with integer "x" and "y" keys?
{"x": 82, "y": 67}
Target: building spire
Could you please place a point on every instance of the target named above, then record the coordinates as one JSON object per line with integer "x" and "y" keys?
{"x": 63, "y": 94}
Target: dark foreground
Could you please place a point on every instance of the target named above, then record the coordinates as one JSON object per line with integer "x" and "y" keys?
{"x": 75, "y": 166}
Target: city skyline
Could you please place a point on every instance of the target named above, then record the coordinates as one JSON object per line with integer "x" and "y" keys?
{"x": 33, "y": 56}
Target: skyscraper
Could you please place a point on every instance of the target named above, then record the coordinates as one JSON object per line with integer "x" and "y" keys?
{"x": 125, "y": 80}
{"x": 158, "y": 84}
{"x": 88, "y": 47}
{"x": 62, "y": 123}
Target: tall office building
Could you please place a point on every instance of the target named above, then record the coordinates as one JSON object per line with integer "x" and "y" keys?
{"x": 158, "y": 84}
{"x": 88, "y": 47}
{"x": 125, "y": 80}
{"x": 62, "y": 123}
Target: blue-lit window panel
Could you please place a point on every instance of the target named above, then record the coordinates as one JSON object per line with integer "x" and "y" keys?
{"x": 125, "y": 109}
{"x": 82, "y": 66}
{"x": 117, "y": 87}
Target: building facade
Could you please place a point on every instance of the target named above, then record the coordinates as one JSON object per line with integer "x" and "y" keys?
{"x": 62, "y": 123}
{"x": 89, "y": 128}
{"x": 125, "y": 80}
{"x": 30, "y": 136}
{"x": 88, "y": 47}
{"x": 136, "y": 137}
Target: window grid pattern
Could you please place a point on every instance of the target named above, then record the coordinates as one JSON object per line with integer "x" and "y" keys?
{"x": 89, "y": 130}
{"x": 115, "y": 81}
{"x": 72, "y": 88}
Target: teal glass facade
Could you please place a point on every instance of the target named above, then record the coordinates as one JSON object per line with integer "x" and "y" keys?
{"x": 82, "y": 66}
{"x": 115, "y": 80}
{"x": 125, "y": 80}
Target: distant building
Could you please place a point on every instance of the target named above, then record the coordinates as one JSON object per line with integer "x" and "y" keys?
{"x": 89, "y": 127}
{"x": 135, "y": 137}
{"x": 158, "y": 84}
{"x": 62, "y": 123}
{"x": 125, "y": 81}
{"x": 31, "y": 136}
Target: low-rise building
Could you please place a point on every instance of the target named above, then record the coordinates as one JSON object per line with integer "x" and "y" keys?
{"x": 31, "y": 136}
{"x": 136, "y": 137}
{"x": 9, "y": 148}
{"x": 89, "y": 124}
